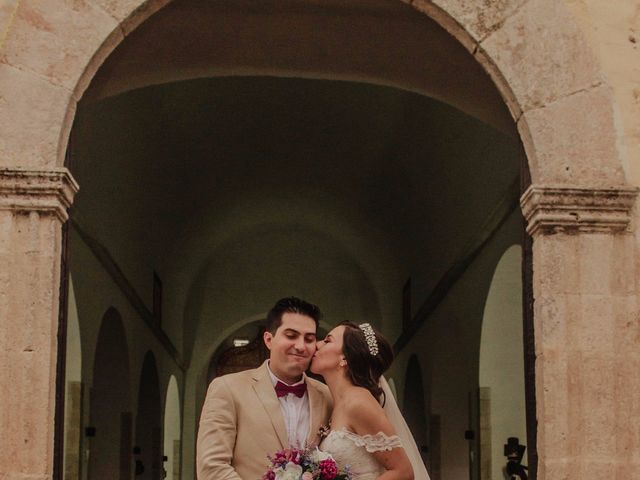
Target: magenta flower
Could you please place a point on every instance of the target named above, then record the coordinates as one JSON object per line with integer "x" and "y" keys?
{"x": 269, "y": 475}
{"x": 328, "y": 469}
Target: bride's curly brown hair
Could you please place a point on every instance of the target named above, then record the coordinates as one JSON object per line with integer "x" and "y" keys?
{"x": 363, "y": 369}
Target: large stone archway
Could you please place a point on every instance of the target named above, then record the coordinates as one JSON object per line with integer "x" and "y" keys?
{"x": 578, "y": 207}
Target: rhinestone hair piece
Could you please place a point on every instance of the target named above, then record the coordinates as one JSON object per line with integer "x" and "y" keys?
{"x": 370, "y": 337}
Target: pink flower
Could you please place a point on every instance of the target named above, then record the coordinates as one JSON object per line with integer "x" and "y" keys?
{"x": 307, "y": 476}
{"x": 328, "y": 469}
{"x": 288, "y": 455}
{"x": 269, "y": 475}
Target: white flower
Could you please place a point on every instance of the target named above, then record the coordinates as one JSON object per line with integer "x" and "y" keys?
{"x": 290, "y": 472}
{"x": 318, "y": 455}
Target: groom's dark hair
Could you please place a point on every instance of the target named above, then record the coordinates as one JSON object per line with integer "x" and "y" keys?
{"x": 291, "y": 305}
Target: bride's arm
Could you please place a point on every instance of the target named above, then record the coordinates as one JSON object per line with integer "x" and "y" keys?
{"x": 369, "y": 420}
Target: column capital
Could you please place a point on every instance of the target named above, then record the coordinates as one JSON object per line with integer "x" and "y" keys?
{"x": 47, "y": 191}
{"x": 565, "y": 208}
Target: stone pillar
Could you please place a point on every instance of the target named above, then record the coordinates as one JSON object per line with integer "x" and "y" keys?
{"x": 586, "y": 332}
{"x": 33, "y": 206}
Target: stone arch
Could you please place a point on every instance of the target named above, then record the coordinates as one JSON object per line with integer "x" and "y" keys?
{"x": 110, "y": 402}
{"x": 549, "y": 96}
{"x": 148, "y": 448}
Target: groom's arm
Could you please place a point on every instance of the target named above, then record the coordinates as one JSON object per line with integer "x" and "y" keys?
{"x": 217, "y": 434}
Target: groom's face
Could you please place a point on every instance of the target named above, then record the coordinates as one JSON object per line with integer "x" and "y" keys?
{"x": 291, "y": 346}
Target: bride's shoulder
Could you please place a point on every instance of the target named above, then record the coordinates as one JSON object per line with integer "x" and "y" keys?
{"x": 360, "y": 404}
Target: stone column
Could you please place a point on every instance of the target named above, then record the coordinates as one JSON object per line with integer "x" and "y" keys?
{"x": 586, "y": 331}
{"x": 33, "y": 206}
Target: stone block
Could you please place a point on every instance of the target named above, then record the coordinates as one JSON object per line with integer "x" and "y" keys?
{"x": 130, "y": 13}
{"x": 626, "y": 324}
{"x": 573, "y": 140}
{"x": 558, "y": 264}
{"x": 592, "y": 328}
{"x": 56, "y": 39}
{"x": 623, "y": 265}
{"x": 627, "y": 387}
{"x": 479, "y": 19}
{"x": 32, "y": 111}
{"x": 553, "y": 469}
{"x": 594, "y": 406}
{"x": 28, "y": 343}
{"x": 542, "y": 53}
{"x": 553, "y": 403}
{"x": 594, "y": 258}
{"x": 552, "y": 313}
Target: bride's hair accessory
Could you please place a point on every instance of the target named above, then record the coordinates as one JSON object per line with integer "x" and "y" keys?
{"x": 370, "y": 337}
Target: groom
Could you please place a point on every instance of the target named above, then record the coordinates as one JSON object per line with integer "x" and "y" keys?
{"x": 249, "y": 415}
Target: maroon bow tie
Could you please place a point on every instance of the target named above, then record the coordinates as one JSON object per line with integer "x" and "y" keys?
{"x": 297, "y": 390}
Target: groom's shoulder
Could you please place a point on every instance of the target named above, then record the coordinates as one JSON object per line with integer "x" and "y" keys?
{"x": 319, "y": 385}
{"x": 232, "y": 380}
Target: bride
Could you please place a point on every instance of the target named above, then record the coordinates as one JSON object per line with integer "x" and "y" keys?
{"x": 368, "y": 432}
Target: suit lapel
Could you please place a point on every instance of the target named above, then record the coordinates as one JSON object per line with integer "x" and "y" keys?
{"x": 316, "y": 407}
{"x": 267, "y": 396}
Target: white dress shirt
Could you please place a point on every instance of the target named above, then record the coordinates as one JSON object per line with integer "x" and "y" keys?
{"x": 296, "y": 413}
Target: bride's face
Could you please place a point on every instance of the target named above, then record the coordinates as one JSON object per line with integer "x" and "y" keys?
{"x": 329, "y": 354}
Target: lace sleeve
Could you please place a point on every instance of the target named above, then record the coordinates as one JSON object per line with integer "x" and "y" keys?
{"x": 379, "y": 442}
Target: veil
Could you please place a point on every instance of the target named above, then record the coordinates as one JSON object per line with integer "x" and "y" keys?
{"x": 402, "y": 430}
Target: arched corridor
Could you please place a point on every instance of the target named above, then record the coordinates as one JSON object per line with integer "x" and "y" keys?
{"x": 110, "y": 416}
{"x": 337, "y": 192}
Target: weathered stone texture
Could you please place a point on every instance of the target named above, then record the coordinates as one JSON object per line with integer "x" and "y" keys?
{"x": 541, "y": 52}
{"x": 478, "y": 18}
{"x": 557, "y": 208}
{"x": 32, "y": 204}
{"x": 583, "y": 339}
{"x": 130, "y": 13}
{"x": 28, "y": 319}
{"x": 587, "y": 328}
{"x": 56, "y": 39}
{"x": 574, "y": 138}
{"x": 32, "y": 113}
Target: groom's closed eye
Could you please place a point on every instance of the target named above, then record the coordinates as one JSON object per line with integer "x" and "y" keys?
{"x": 293, "y": 334}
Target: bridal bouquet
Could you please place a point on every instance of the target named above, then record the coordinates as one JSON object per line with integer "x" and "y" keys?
{"x": 306, "y": 464}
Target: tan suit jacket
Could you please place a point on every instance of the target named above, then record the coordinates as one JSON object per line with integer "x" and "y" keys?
{"x": 241, "y": 423}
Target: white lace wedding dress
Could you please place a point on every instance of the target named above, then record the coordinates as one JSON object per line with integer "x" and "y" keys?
{"x": 348, "y": 448}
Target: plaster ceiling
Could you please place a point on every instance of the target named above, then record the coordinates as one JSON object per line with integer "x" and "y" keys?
{"x": 380, "y": 42}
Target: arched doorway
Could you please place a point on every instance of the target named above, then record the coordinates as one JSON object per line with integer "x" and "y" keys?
{"x": 110, "y": 431}
{"x": 501, "y": 367}
{"x": 356, "y": 218}
{"x": 148, "y": 447}
{"x": 172, "y": 431}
